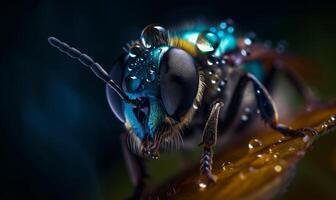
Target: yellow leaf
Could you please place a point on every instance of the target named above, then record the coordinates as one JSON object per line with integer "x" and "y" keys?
{"x": 260, "y": 166}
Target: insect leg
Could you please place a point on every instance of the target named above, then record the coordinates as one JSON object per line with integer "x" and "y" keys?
{"x": 234, "y": 104}
{"x": 209, "y": 140}
{"x": 136, "y": 168}
{"x": 267, "y": 108}
{"x": 299, "y": 85}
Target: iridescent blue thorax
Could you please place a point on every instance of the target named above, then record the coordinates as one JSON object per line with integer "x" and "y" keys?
{"x": 217, "y": 41}
{"x": 141, "y": 80}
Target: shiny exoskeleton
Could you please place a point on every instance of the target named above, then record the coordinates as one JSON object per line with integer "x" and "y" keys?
{"x": 192, "y": 81}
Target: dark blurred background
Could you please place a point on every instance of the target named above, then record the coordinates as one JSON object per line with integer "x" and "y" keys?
{"x": 59, "y": 139}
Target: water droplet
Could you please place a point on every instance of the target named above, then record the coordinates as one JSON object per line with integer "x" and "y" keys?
{"x": 210, "y": 72}
{"x": 212, "y": 60}
{"x": 202, "y": 185}
{"x": 153, "y": 36}
{"x": 207, "y": 42}
{"x": 230, "y": 29}
{"x": 259, "y": 155}
{"x": 150, "y": 77}
{"x": 227, "y": 166}
{"x": 222, "y": 82}
{"x": 291, "y": 149}
{"x": 332, "y": 118}
{"x": 230, "y": 22}
{"x": 223, "y": 25}
{"x": 132, "y": 83}
{"x": 209, "y": 62}
{"x": 244, "y": 52}
{"x": 251, "y": 169}
{"x": 219, "y": 89}
{"x": 242, "y": 176}
{"x": 278, "y": 168}
{"x": 213, "y": 81}
{"x": 195, "y": 106}
{"x": 325, "y": 125}
{"x": 247, "y": 109}
{"x": 254, "y": 143}
{"x": 135, "y": 51}
{"x": 244, "y": 118}
{"x": 247, "y": 41}
{"x": 213, "y": 29}
{"x": 275, "y": 155}
{"x": 306, "y": 138}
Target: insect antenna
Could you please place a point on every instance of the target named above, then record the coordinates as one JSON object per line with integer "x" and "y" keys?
{"x": 94, "y": 66}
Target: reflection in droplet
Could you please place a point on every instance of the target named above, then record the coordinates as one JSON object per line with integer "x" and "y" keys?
{"x": 276, "y": 155}
{"x": 247, "y": 109}
{"x": 247, "y": 41}
{"x": 291, "y": 149}
{"x": 135, "y": 51}
{"x": 209, "y": 62}
{"x": 153, "y": 36}
{"x": 213, "y": 29}
{"x": 230, "y": 29}
{"x": 254, "y": 143}
{"x": 207, "y": 42}
{"x": 306, "y": 138}
{"x": 244, "y": 52}
{"x": 278, "y": 168}
{"x": 242, "y": 176}
{"x": 132, "y": 83}
{"x": 226, "y": 166}
{"x": 212, "y": 60}
{"x": 150, "y": 77}
{"x": 251, "y": 169}
{"x": 202, "y": 185}
{"x": 222, "y": 83}
{"x": 222, "y": 25}
{"x": 244, "y": 118}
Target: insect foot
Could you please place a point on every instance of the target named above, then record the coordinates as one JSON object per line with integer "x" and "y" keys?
{"x": 207, "y": 177}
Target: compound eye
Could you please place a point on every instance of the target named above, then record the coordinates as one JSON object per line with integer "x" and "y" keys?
{"x": 114, "y": 100}
{"x": 178, "y": 82}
